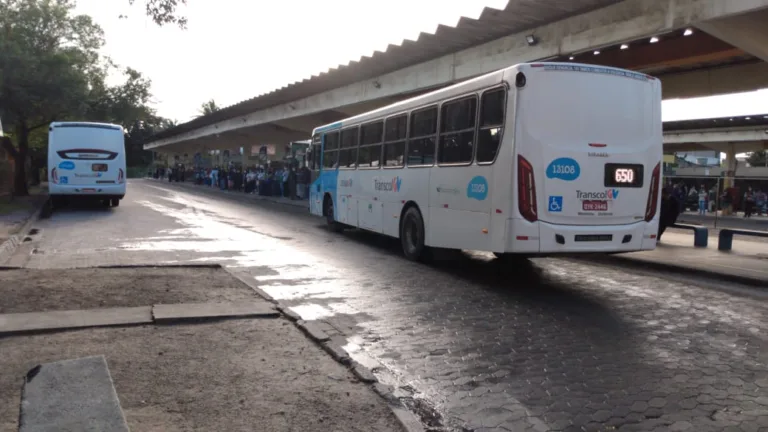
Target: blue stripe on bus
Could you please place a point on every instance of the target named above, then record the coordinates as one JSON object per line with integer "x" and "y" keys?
{"x": 333, "y": 126}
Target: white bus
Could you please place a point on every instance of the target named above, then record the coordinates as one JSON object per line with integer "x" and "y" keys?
{"x": 535, "y": 159}
{"x": 86, "y": 160}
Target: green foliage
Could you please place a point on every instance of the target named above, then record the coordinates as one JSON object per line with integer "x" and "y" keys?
{"x": 758, "y": 158}
{"x": 208, "y": 108}
{"x": 49, "y": 59}
{"x": 164, "y": 11}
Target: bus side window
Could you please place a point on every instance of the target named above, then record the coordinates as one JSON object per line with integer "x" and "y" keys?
{"x": 394, "y": 140}
{"x": 491, "y": 125}
{"x": 371, "y": 136}
{"x": 457, "y": 131}
{"x": 331, "y": 150}
{"x": 348, "y": 152}
{"x": 421, "y": 139}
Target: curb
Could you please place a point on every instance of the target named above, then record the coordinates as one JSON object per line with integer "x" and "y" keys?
{"x": 721, "y": 220}
{"x": 244, "y": 197}
{"x": 635, "y": 263}
{"x": 8, "y": 247}
{"x": 408, "y": 420}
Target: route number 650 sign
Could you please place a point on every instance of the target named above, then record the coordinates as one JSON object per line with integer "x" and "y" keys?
{"x": 624, "y": 175}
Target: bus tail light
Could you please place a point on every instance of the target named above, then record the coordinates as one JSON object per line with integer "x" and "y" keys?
{"x": 526, "y": 190}
{"x": 653, "y": 194}
{"x": 55, "y": 176}
{"x": 120, "y": 176}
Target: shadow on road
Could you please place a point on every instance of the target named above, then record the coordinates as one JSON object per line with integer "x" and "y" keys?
{"x": 521, "y": 282}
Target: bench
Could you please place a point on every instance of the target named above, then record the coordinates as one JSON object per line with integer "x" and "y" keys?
{"x": 700, "y": 233}
{"x": 725, "y": 239}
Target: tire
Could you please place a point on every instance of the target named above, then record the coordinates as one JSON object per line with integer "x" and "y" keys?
{"x": 115, "y": 202}
{"x": 329, "y": 217}
{"x": 413, "y": 236}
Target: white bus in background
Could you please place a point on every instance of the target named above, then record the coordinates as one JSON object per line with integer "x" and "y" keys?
{"x": 535, "y": 159}
{"x": 86, "y": 160}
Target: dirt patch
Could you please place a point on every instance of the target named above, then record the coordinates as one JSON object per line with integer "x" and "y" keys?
{"x": 15, "y": 213}
{"x": 231, "y": 376}
{"x": 45, "y": 290}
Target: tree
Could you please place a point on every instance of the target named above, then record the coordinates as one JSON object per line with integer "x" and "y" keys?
{"x": 51, "y": 70}
{"x": 138, "y": 133}
{"x": 47, "y": 58}
{"x": 758, "y": 158}
{"x": 164, "y": 11}
{"x": 208, "y": 107}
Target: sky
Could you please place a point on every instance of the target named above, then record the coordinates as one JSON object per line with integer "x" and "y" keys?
{"x": 233, "y": 50}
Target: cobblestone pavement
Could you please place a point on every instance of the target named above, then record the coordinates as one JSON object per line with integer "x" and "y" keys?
{"x": 470, "y": 343}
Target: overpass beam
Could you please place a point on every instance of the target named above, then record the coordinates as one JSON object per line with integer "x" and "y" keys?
{"x": 748, "y": 32}
{"x": 715, "y": 81}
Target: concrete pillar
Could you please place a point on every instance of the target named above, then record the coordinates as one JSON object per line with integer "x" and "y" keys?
{"x": 730, "y": 172}
{"x": 730, "y": 165}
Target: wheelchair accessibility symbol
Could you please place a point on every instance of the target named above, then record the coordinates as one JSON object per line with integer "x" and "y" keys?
{"x": 555, "y": 204}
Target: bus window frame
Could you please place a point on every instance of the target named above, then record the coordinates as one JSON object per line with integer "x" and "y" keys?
{"x": 477, "y": 97}
{"x": 322, "y": 161}
{"x": 504, "y": 86}
{"x": 404, "y": 140}
{"x": 380, "y": 144}
{"x": 356, "y": 148}
{"x": 436, "y": 106}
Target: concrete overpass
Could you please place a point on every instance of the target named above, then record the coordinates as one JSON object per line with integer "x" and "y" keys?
{"x": 729, "y": 56}
{"x": 730, "y": 135}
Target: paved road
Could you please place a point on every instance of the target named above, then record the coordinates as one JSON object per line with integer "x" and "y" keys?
{"x": 556, "y": 345}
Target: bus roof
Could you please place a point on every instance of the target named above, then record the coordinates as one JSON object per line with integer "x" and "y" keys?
{"x": 483, "y": 81}
{"x": 487, "y": 80}
{"x": 86, "y": 125}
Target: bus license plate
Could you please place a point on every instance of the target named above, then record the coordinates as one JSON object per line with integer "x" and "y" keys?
{"x": 99, "y": 167}
{"x": 89, "y": 190}
{"x": 594, "y": 237}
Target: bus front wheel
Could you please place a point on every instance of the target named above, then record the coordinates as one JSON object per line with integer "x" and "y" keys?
{"x": 115, "y": 202}
{"x": 412, "y": 235}
{"x": 330, "y": 217}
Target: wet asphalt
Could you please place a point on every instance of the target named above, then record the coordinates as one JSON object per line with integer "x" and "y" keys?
{"x": 470, "y": 342}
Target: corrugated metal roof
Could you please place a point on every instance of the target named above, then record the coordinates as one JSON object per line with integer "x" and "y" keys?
{"x": 716, "y": 123}
{"x": 517, "y": 16}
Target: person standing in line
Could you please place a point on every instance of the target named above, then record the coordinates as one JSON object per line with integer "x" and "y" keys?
{"x": 703, "y": 200}
{"x": 749, "y": 203}
{"x": 282, "y": 177}
{"x": 670, "y": 209}
{"x": 292, "y": 182}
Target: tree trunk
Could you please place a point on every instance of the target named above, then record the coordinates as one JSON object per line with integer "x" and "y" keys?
{"x": 20, "y": 158}
{"x": 20, "y": 176}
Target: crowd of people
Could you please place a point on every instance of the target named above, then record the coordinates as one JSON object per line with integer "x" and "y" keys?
{"x": 285, "y": 181}
{"x": 705, "y": 200}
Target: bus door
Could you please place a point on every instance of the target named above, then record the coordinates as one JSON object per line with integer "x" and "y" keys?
{"x": 314, "y": 161}
{"x": 313, "y": 158}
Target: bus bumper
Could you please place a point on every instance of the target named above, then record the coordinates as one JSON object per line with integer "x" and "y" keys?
{"x": 84, "y": 191}
{"x": 546, "y": 238}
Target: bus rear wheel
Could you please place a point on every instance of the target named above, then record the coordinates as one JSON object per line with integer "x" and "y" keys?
{"x": 412, "y": 236}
